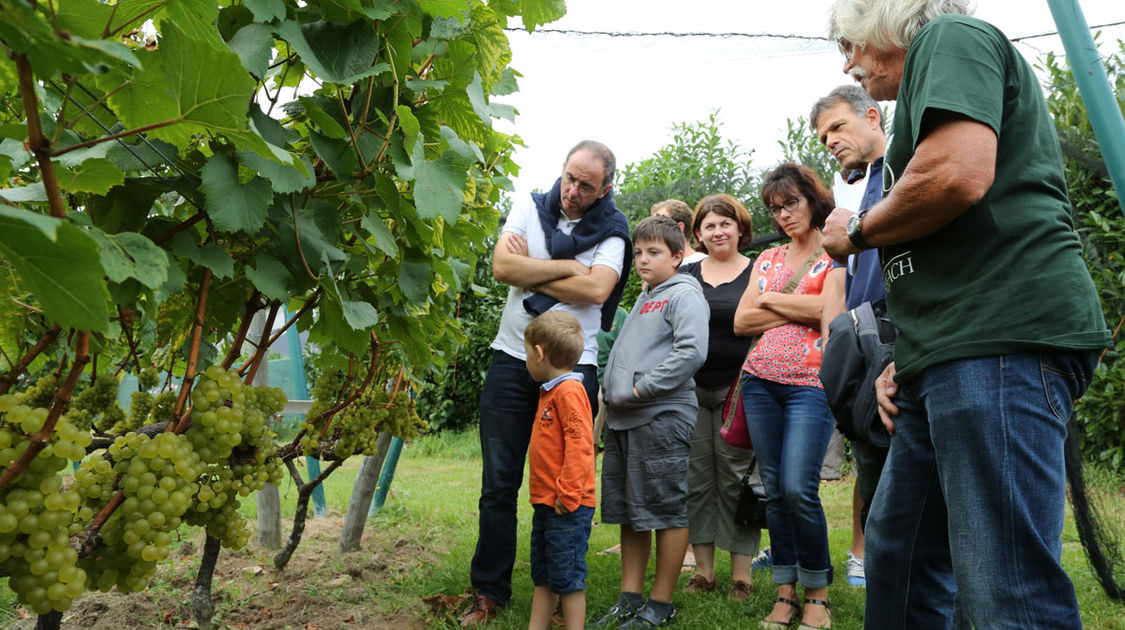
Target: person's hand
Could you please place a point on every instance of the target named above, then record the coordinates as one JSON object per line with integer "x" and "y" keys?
{"x": 578, "y": 269}
{"x": 885, "y": 390}
{"x": 636, "y": 394}
{"x": 560, "y": 509}
{"x": 517, "y": 244}
{"x": 836, "y": 242}
{"x": 764, "y": 299}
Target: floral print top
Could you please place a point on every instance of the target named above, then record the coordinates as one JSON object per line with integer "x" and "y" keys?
{"x": 788, "y": 354}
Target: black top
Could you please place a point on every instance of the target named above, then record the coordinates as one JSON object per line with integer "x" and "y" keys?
{"x": 725, "y": 351}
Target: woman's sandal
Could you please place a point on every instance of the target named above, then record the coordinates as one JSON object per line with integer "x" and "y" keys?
{"x": 827, "y": 609}
{"x": 778, "y": 625}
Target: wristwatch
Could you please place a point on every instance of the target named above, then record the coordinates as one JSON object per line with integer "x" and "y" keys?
{"x": 855, "y": 230}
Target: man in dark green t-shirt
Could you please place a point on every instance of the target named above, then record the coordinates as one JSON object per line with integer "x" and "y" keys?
{"x": 999, "y": 322}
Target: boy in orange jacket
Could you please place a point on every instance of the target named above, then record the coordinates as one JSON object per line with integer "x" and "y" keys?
{"x": 562, "y": 470}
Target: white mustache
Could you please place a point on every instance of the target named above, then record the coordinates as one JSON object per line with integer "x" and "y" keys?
{"x": 857, "y": 73}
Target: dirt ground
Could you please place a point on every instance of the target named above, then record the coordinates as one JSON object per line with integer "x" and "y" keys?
{"x": 319, "y": 589}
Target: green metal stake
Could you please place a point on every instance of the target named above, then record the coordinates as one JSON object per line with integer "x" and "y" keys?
{"x": 386, "y": 476}
{"x": 301, "y": 390}
{"x": 1093, "y": 85}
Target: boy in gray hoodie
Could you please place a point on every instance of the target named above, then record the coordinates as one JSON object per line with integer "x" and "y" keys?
{"x": 650, "y": 395}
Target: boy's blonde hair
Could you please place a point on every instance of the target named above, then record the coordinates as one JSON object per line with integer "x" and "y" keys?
{"x": 561, "y": 336}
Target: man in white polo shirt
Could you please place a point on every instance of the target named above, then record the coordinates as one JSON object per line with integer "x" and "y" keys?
{"x": 563, "y": 249}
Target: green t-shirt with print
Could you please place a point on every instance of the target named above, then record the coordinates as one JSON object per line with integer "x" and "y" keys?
{"x": 1007, "y": 275}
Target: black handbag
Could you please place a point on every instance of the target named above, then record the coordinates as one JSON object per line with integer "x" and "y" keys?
{"x": 751, "y": 510}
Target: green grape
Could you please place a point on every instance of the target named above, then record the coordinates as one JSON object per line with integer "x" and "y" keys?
{"x": 36, "y": 512}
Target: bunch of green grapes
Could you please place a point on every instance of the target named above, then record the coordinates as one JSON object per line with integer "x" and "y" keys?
{"x": 149, "y": 378}
{"x": 402, "y": 420}
{"x": 97, "y": 404}
{"x": 140, "y": 407}
{"x": 356, "y": 428}
{"x": 324, "y": 393}
{"x": 40, "y": 394}
{"x": 163, "y": 407}
{"x": 230, "y": 431}
{"x": 36, "y": 513}
{"x": 157, "y": 477}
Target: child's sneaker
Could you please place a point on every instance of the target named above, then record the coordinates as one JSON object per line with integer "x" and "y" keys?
{"x": 647, "y": 618}
{"x": 855, "y": 573}
{"x": 762, "y": 561}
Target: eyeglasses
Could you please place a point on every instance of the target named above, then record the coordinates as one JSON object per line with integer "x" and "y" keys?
{"x": 846, "y": 48}
{"x": 789, "y": 206}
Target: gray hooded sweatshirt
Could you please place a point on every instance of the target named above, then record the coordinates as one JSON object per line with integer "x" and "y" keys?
{"x": 662, "y": 344}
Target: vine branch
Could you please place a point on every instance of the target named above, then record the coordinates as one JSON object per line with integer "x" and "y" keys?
{"x": 116, "y": 136}
{"x": 40, "y": 440}
{"x": 35, "y": 139}
{"x": 12, "y": 376}
{"x": 193, "y": 355}
{"x": 250, "y": 368}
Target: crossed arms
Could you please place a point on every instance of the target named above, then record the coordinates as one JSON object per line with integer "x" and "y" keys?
{"x": 566, "y": 280}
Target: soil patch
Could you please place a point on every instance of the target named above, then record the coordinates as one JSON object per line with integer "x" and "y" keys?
{"x": 320, "y": 589}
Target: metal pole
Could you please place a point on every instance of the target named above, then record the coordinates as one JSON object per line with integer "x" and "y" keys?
{"x": 301, "y": 391}
{"x": 1094, "y": 86}
{"x": 385, "y": 477}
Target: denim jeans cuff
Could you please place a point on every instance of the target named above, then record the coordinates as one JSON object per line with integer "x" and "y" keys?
{"x": 785, "y": 574}
{"x": 814, "y": 579}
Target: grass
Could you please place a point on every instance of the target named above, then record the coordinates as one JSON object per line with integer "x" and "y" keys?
{"x": 432, "y": 511}
{"x": 433, "y": 501}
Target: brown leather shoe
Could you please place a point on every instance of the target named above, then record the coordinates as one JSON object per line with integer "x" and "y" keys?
{"x": 481, "y": 612}
{"x": 700, "y": 584}
{"x": 740, "y": 591}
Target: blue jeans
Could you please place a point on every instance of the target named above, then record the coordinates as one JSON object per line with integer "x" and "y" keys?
{"x": 558, "y": 548}
{"x": 507, "y": 409}
{"x": 790, "y": 426}
{"x": 971, "y": 501}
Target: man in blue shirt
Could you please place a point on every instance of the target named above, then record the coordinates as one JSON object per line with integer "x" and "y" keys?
{"x": 850, "y": 124}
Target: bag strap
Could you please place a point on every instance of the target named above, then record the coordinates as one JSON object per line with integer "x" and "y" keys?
{"x": 802, "y": 270}
{"x": 750, "y": 468}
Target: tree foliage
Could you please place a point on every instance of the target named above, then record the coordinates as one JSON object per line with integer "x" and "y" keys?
{"x": 1097, "y": 212}
{"x": 170, "y": 169}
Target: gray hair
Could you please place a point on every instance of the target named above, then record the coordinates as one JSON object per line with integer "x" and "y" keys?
{"x": 854, "y": 95}
{"x": 887, "y": 24}
{"x": 601, "y": 152}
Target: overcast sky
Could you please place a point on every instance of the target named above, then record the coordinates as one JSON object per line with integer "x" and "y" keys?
{"x": 628, "y": 91}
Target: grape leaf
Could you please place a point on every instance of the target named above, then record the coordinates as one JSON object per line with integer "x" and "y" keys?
{"x": 537, "y": 12}
{"x": 414, "y": 280}
{"x": 266, "y": 10}
{"x": 234, "y": 206}
{"x": 438, "y": 185}
{"x": 96, "y": 176}
{"x": 335, "y": 53}
{"x": 64, "y": 273}
{"x": 270, "y": 277}
{"x": 132, "y": 255}
{"x": 253, "y": 44}
{"x": 384, "y": 240}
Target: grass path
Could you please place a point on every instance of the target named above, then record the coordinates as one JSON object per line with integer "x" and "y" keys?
{"x": 433, "y": 501}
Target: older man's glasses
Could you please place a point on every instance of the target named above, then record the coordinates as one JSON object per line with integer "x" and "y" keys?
{"x": 789, "y": 206}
